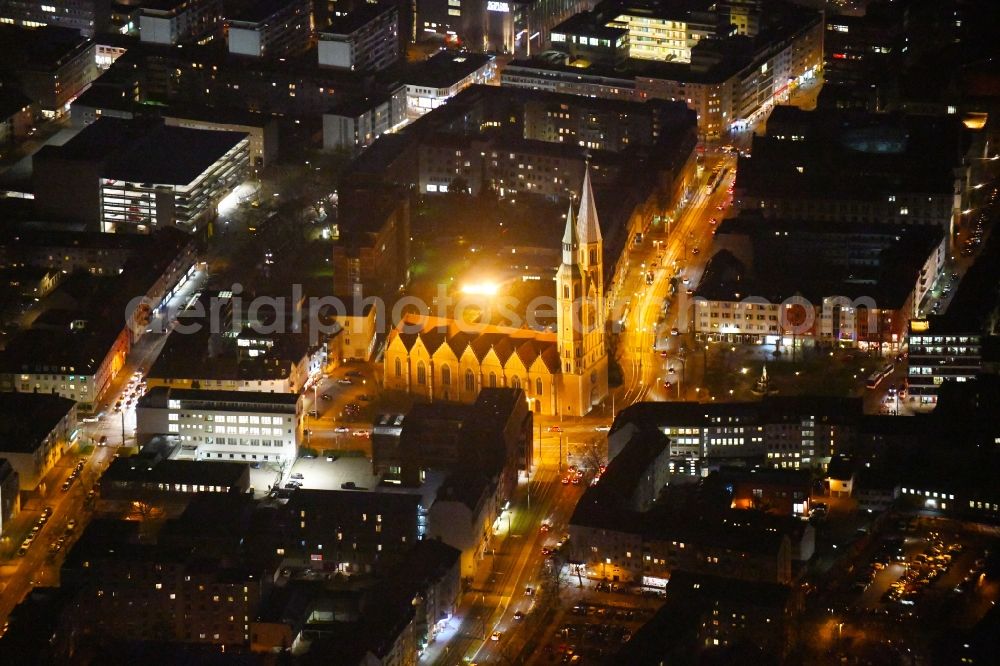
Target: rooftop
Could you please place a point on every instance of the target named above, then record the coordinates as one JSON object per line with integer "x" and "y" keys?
{"x": 159, "y": 397}
{"x": 147, "y": 151}
{"x": 445, "y": 68}
{"x": 139, "y": 470}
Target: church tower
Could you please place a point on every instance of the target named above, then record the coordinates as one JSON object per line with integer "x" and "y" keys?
{"x": 569, "y": 286}
{"x": 581, "y": 317}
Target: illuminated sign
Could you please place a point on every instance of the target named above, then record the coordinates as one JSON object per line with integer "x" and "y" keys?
{"x": 492, "y": 6}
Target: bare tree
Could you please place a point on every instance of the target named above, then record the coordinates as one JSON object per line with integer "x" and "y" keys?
{"x": 593, "y": 454}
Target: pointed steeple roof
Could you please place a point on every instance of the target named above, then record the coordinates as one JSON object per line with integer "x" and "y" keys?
{"x": 587, "y": 224}
{"x": 570, "y": 241}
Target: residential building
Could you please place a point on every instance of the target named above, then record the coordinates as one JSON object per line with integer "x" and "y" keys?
{"x": 78, "y": 343}
{"x": 706, "y": 617}
{"x": 180, "y": 21}
{"x": 87, "y": 17}
{"x": 140, "y": 590}
{"x": 270, "y": 28}
{"x": 372, "y": 254}
{"x": 353, "y": 531}
{"x": 784, "y": 492}
{"x": 359, "y": 323}
{"x": 16, "y": 115}
{"x": 366, "y": 39}
{"x": 211, "y": 425}
{"x": 356, "y": 123}
{"x": 37, "y": 429}
{"x": 139, "y": 176}
{"x": 223, "y": 352}
{"x": 10, "y": 493}
{"x": 615, "y": 538}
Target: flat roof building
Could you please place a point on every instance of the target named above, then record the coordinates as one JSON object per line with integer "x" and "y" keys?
{"x": 270, "y": 28}
{"x": 366, "y": 39}
{"x": 226, "y": 426}
{"x": 136, "y": 175}
{"x": 35, "y": 431}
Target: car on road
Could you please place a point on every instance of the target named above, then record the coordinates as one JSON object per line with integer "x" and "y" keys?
{"x": 361, "y": 433}
{"x": 713, "y": 220}
{"x": 326, "y": 396}
{"x": 603, "y": 428}
{"x": 545, "y": 527}
{"x": 103, "y": 440}
{"x": 667, "y": 385}
{"x": 529, "y": 591}
{"x": 341, "y": 429}
{"x": 696, "y": 250}
{"x": 555, "y": 429}
{"x": 66, "y": 485}
{"x": 495, "y": 636}
{"x": 675, "y": 331}
{"x": 313, "y": 413}
{"x": 344, "y": 380}
{"x": 291, "y": 485}
{"x": 47, "y": 511}
{"x": 23, "y": 550}
{"x": 348, "y": 485}
{"x": 71, "y": 525}
{"x": 565, "y": 481}
{"x": 518, "y": 615}
{"x": 298, "y": 475}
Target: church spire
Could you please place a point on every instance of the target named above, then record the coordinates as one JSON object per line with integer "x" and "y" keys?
{"x": 589, "y": 229}
{"x": 570, "y": 241}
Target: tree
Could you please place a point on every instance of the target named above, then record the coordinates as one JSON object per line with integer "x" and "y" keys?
{"x": 594, "y": 454}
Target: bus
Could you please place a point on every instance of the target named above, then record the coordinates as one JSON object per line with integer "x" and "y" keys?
{"x": 878, "y": 376}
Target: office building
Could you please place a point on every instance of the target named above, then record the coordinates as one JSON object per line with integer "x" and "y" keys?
{"x": 855, "y": 284}
{"x": 484, "y": 26}
{"x": 366, "y": 39}
{"x": 431, "y": 83}
{"x": 727, "y": 69}
{"x": 940, "y": 351}
{"x": 230, "y": 426}
{"x": 139, "y": 176}
{"x": 53, "y": 65}
{"x": 270, "y": 28}
{"x": 785, "y": 431}
{"x": 180, "y": 21}
{"x": 155, "y": 480}
{"x": 37, "y": 428}
{"x": 852, "y": 166}
{"x": 86, "y": 17}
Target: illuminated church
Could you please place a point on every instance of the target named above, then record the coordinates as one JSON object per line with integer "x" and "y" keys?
{"x": 561, "y": 372}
